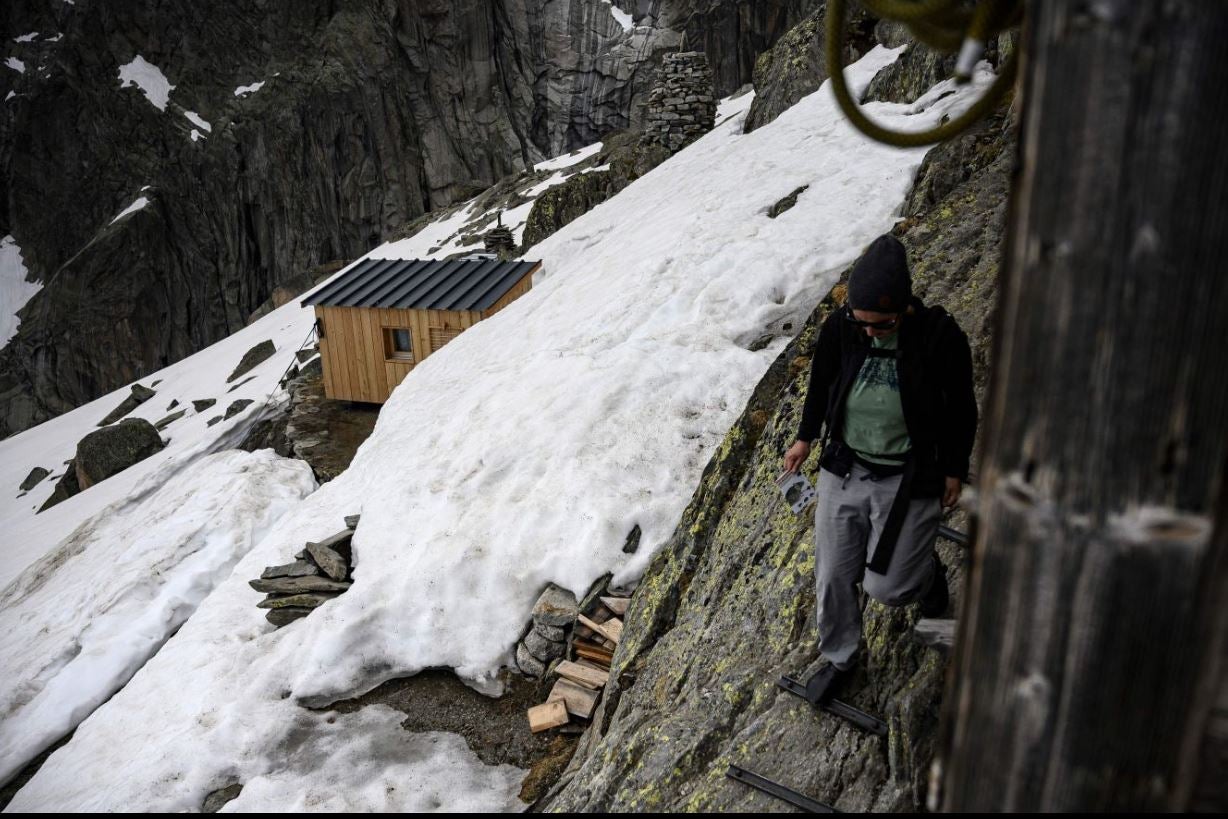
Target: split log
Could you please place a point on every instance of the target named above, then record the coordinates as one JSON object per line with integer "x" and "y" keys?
{"x": 549, "y": 714}
{"x": 580, "y": 701}
{"x": 611, "y": 630}
{"x": 593, "y": 652}
{"x": 587, "y": 676}
{"x": 618, "y": 605}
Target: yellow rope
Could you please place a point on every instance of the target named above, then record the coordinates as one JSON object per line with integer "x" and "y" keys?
{"x": 938, "y": 24}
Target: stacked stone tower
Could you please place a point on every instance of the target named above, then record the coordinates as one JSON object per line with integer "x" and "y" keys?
{"x": 682, "y": 107}
{"x": 500, "y": 240}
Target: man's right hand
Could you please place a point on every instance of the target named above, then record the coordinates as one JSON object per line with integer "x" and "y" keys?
{"x": 796, "y": 456}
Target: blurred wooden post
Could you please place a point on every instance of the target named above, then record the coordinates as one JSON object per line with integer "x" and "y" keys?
{"x": 1091, "y": 646}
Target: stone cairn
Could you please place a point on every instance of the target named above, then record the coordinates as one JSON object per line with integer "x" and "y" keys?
{"x": 682, "y": 107}
{"x": 575, "y": 641}
{"x": 499, "y": 239}
{"x": 320, "y": 572}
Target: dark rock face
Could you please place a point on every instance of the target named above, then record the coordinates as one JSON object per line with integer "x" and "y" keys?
{"x": 733, "y": 34}
{"x": 910, "y": 76}
{"x": 727, "y": 604}
{"x": 629, "y": 158}
{"x": 113, "y": 449}
{"x": 919, "y": 67}
{"x": 371, "y": 114}
{"x": 797, "y": 64}
{"x": 955, "y": 217}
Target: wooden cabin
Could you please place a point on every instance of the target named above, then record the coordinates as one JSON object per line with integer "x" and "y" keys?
{"x": 378, "y": 319}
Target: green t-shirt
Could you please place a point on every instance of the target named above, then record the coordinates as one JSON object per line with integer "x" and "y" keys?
{"x": 873, "y": 417}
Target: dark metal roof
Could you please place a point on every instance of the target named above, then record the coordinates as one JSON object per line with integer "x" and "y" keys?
{"x": 422, "y": 284}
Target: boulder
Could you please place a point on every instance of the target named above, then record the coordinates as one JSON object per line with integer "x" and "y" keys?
{"x": 556, "y": 607}
{"x": 261, "y": 352}
{"x": 170, "y": 419}
{"x": 556, "y": 634}
{"x": 786, "y": 202}
{"x": 527, "y": 663}
{"x": 203, "y": 404}
{"x": 139, "y": 396}
{"x": 236, "y": 406}
{"x": 541, "y": 648}
{"x": 113, "y": 449}
{"x": 64, "y": 489}
{"x": 216, "y": 799}
{"x": 34, "y": 478}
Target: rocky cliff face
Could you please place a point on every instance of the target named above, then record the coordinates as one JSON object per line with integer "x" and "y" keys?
{"x": 727, "y": 605}
{"x": 368, "y": 115}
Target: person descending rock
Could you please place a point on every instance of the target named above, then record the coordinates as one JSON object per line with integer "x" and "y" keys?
{"x": 892, "y": 380}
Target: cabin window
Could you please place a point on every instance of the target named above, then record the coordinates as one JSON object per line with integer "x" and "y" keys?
{"x": 397, "y": 346}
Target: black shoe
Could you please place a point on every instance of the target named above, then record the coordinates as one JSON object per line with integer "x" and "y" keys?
{"x": 826, "y": 683}
{"x": 934, "y": 603}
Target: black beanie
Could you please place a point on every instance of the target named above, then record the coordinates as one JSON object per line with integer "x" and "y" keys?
{"x": 880, "y": 280}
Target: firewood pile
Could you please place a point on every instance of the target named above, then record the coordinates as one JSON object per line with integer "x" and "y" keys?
{"x": 584, "y": 667}
{"x": 320, "y": 572}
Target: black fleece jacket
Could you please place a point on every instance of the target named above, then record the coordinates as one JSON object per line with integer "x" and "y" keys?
{"x": 935, "y": 370}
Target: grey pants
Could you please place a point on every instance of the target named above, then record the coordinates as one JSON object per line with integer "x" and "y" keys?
{"x": 848, "y": 519}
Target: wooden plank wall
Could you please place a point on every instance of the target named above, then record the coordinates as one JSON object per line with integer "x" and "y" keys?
{"x": 352, "y": 347}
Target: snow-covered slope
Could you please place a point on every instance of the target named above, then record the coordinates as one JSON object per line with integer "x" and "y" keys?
{"x": 87, "y": 615}
{"x": 521, "y": 453}
{"x": 201, "y": 376}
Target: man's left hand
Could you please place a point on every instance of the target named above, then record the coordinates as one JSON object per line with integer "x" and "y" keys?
{"x": 951, "y": 496}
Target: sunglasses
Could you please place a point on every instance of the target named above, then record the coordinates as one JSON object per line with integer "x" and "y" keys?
{"x": 885, "y": 324}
